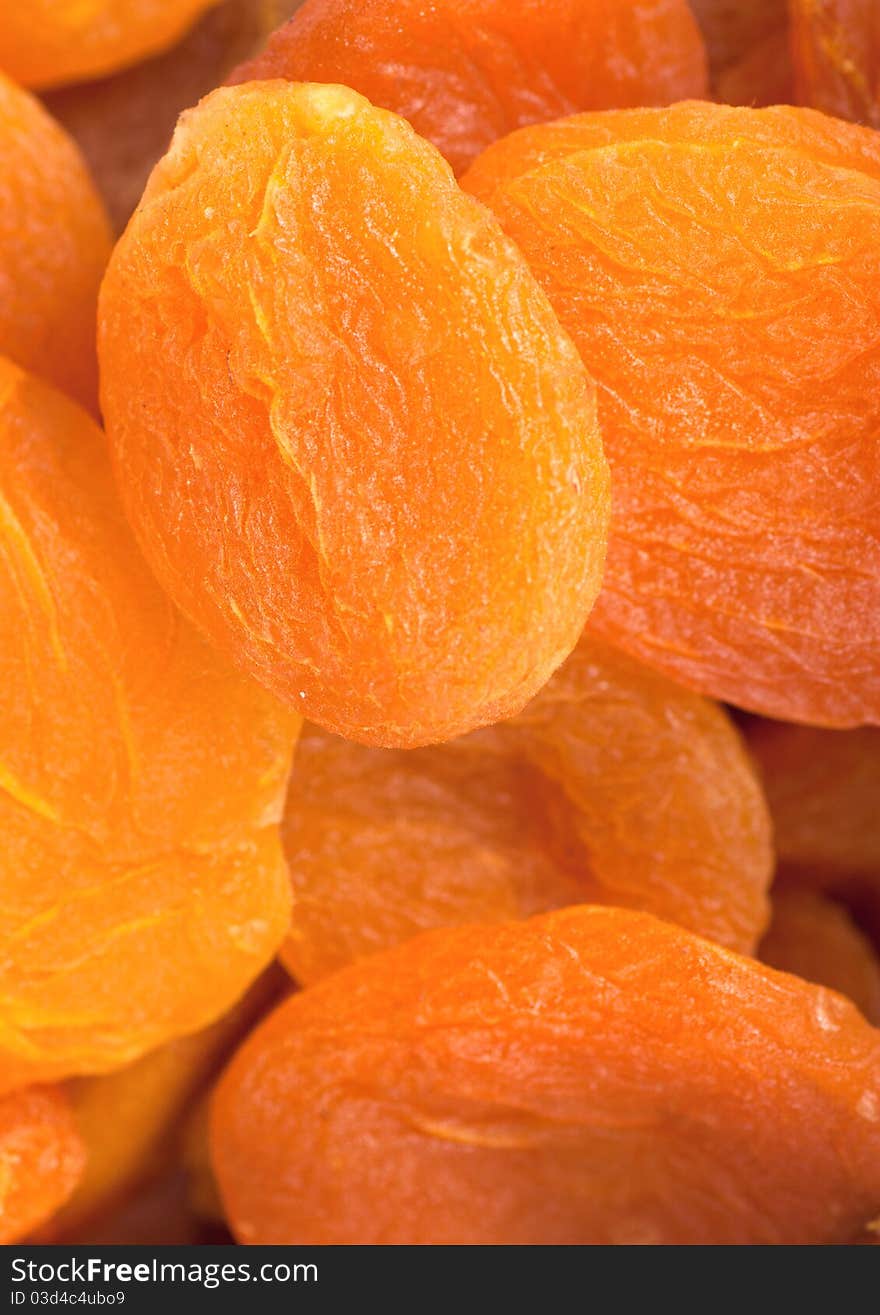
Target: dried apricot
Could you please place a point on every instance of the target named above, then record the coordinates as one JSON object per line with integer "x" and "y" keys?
{"x": 613, "y": 787}
{"x": 465, "y": 72}
{"x": 816, "y": 938}
{"x": 54, "y": 245}
{"x": 836, "y": 49}
{"x": 354, "y": 442}
{"x": 718, "y": 270}
{"x": 41, "y": 1158}
{"x": 123, "y": 123}
{"x": 589, "y": 1076}
{"x": 47, "y": 42}
{"x": 142, "y": 882}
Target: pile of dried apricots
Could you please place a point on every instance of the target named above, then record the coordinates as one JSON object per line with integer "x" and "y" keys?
{"x": 440, "y": 705}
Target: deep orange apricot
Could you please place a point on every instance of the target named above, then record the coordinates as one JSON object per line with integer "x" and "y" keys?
{"x": 354, "y": 443}
{"x": 54, "y": 245}
{"x": 41, "y": 1159}
{"x": 613, "y": 786}
{"x": 142, "y": 883}
{"x": 47, "y": 42}
{"x": 718, "y": 269}
{"x": 590, "y": 1076}
{"x": 465, "y": 72}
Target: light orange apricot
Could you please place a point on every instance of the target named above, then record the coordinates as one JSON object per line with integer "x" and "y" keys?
{"x": 47, "y": 42}
{"x": 142, "y": 883}
{"x": 353, "y": 441}
{"x": 54, "y": 245}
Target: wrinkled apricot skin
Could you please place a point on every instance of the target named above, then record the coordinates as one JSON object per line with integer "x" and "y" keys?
{"x": 836, "y": 49}
{"x": 352, "y": 439}
{"x": 815, "y": 938}
{"x": 47, "y": 42}
{"x": 54, "y": 246}
{"x": 465, "y": 72}
{"x": 718, "y": 269}
{"x": 142, "y": 883}
{"x": 612, "y": 787}
{"x": 589, "y": 1076}
{"x": 123, "y": 123}
{"x": 41, "y": 1159}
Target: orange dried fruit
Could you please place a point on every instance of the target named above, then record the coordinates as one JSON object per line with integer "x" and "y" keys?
{"x": 142, "y": 882}
{"x": 123, "y": 123}
{"x": 836, "y": 50}
{"x": 355, "y": 444}
{"x": 613, "y": 786}
{"x": 717, "y": 268}
{"x": 41, "y": 1159}
{"x": 589, "y": 1076}
{"x": 54, "y": 245}
{"x": 47, "y": 42}
{"x": 465, "y": 72}
{"x": 816, "y": 938}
